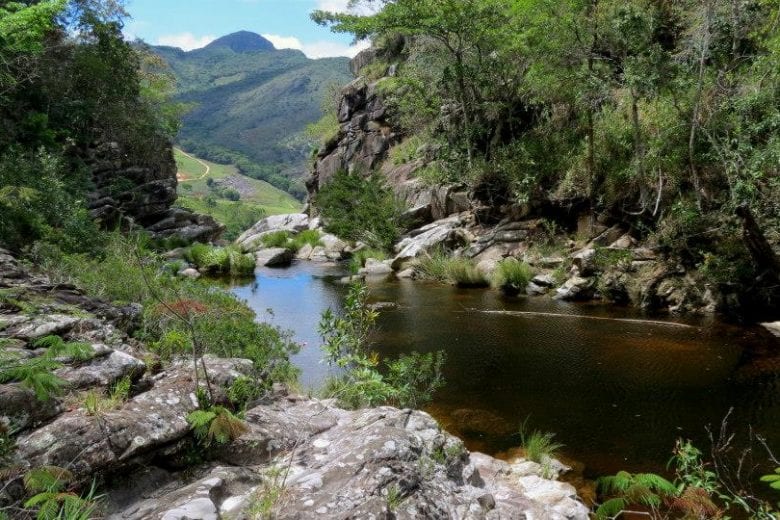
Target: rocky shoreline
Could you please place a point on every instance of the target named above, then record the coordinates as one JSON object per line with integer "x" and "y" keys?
{"x": 299, "y": 458}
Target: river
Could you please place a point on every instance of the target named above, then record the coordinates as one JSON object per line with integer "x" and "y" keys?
{"x": 615, "y": 388}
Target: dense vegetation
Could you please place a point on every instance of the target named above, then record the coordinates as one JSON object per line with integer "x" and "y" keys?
{"x": 68, "y": 79}
{"x": 251, "y": 103}
{"x": 661, "y": 115}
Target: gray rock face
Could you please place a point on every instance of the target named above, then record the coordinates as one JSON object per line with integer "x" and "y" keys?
{"x": 103, "y": 370}
{"x": 377, "y": 463}
{"x": 375, "y": 267}
{"x": 446, "y": 233}
{"x": 585, "y": 261}
{"x": 274, "y": 257}
{"x": 251, "y": 239}
{"x": 576, "y": 288}
{"x": 773, "y": 327}
{"x": 128, "y": 194}
{"x": 364, "y": 137}
{"x": 88, "y": 445}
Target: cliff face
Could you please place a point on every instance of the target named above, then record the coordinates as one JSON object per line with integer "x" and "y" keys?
{"x": 126, "y": 194}
{"x": 579, "y": 254}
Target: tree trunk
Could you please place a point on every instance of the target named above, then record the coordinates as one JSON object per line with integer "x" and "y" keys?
{"x": 704, "y": 50}
{"x": 760, "y": 250}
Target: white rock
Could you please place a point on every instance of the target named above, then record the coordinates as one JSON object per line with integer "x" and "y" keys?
{"x": 274, "y": 257}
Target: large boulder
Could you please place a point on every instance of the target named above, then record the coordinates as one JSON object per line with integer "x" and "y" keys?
{"x": 337, "y": 464}
{"x": 88, "y": 445}
{"x": 274, "y": 257}
{"x": 576, "y": 288}
{"x": 446, "y": 234}
{"x": 251, "y": 239}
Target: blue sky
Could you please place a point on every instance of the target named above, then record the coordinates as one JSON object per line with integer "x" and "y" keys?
{"x": 191, "y": 24}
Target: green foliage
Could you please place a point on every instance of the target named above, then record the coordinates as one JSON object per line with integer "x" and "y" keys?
{"x": 307, "y": 237}
{"x": 773, "y": 479}
{"x": 51, "y": 501}
{"x": 512, "y": 276}
{"x": 606, "y": 258}
{"x": 408, "y": 381}
{"x": 277, "y": 239}
{"x": 216, "y": 425}
{"x": 39, "y": 200}
{"x": 646, "y": 489}
{"x": 36, "y": 373}
{"x": 243, "y": 390}
{"x": 357, "y": 208}
{"x": 252, "y": 108}
{"x": 434, "y": 265}
{"x": 221, "y": 260}
{"x": 464, "y": 273}
{"x": 461, "y": 272}
{"x": 179, "y": 314}
{"x": 538, "y": 446}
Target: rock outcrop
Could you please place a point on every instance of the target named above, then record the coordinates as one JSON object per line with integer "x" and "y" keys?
{"x": 130, "y": 194}
{"x": 309, "y": 459}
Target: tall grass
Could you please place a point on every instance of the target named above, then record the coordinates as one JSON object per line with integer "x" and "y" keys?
{"x": 538, "y": 445}
{"x": 464, "y": 273}
{"x": 276, "y": 239}
{"x": 307, "y": 237}
{"x": 512, "y": 276}
{"x": 221, "y": 260}
{"x": 461, "y": 272}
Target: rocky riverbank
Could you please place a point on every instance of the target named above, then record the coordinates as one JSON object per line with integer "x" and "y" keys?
{"x": 299, "y": 457}
{"x": 578, "y": 253}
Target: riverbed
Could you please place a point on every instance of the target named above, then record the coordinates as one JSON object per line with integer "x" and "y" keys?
{"x": 617, "y": 387}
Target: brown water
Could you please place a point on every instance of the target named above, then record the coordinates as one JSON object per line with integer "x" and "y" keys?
{"x": 617, "y": 392}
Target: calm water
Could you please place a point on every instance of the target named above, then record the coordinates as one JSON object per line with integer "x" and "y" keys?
{"x": 617, "y": 392}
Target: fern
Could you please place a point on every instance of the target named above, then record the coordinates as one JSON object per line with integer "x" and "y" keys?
{"x": 57, "y": 347}
{"x": 611, "y": 508}
{"x": 647, "y": 489}
{"x": 46, "y": 478}
{"x": 216, "y": 424}
{"x": 35, "y": 374}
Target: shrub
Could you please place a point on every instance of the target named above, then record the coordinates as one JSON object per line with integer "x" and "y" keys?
{"x": 512, "y": 276}
{"x": 538, "y": 445}
{"x": 309, "y": 237}
{"x": 434, "y": 266}
{"x": 216, "y": 425}
{"x": 627, "y": 489}
{"x": 277, "y": 239}
{"x": 221, "y": 260}
{"x": 464, "y": 273}
{"x": 360, "y": 208}
{"x": 408, "y": 381}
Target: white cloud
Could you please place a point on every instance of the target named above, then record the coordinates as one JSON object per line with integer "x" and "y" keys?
{"x": 319, "y": 49}
{"x": 342, "y": 6}
{"x": 186, "y": 41}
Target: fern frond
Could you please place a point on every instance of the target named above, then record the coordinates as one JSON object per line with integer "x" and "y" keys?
{"x": 49, "y": 342}
{"x": 225, "y": 427}
{"x": 611, "y": 508}
{"x": 200, "y": 420}
{"x": 656, "y": 483}
{"x": 47, "y": 479}
{"x": 695, "y": 502}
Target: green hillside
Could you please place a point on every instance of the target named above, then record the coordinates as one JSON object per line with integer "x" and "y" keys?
{"x": 250, "y": 104}
{"x": 233, "y": 199}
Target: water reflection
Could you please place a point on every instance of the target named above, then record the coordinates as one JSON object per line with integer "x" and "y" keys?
{"x": 618, "y": 393}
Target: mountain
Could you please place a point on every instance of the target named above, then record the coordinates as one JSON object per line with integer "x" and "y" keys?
{"x": 250, "y": 104}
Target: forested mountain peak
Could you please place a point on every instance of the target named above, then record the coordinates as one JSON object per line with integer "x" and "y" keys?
{"x": 242, "y": 42}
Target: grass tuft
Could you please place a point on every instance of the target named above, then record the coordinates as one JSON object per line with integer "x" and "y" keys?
{"x": 512, "y": 276}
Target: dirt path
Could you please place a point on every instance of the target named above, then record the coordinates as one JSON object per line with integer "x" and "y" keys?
{"x": 206, "y": 166}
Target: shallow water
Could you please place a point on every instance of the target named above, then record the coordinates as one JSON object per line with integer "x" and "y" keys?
{"x": 617, "y": 392}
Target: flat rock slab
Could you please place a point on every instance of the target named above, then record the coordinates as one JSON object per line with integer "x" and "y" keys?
{"x": 87, "y": 445}
{"x": 773, "y": 327}
{"x": 274, "y": 257}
